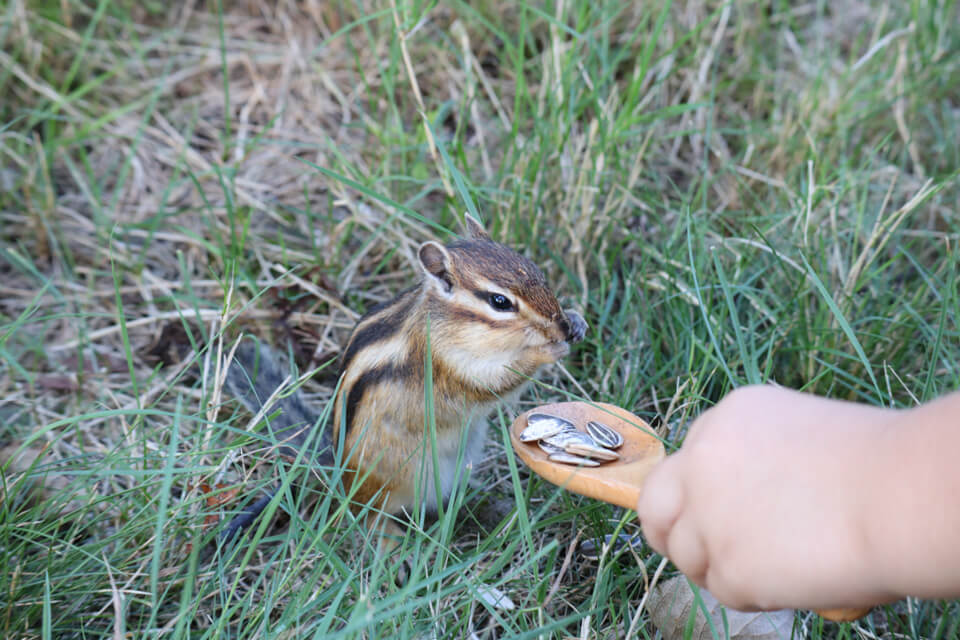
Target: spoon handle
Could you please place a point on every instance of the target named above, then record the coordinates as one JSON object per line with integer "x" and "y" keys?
{"x": 842, "y": 615}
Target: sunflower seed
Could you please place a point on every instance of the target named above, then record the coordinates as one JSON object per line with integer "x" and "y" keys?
{"x": 541, "y": 425}
{"x": 604, "y": 435}
{"x": 591, "y": 450}
{"x": 565, "y": 438}
{"x": 560, "y": 439}
{"x": 550, "y": 449}
{"x": 571, "y": 459}
{"x": 533, "y": 418}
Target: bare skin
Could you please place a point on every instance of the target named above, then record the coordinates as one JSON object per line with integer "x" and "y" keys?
{"x": 784, "y": 499}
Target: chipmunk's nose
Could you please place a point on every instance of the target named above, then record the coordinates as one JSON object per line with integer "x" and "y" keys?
{"x": 573, "y": 325}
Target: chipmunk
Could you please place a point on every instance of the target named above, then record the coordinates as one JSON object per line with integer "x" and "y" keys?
{"x": 489, "y": 321}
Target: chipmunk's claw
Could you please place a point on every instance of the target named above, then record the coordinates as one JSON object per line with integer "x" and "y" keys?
{"x": 576, "y": 326}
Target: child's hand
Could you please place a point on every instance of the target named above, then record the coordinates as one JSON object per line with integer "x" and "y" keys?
{"x": 767, "y": 504}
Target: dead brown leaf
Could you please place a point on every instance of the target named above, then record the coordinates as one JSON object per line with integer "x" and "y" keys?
{"x": 673, "y": 602}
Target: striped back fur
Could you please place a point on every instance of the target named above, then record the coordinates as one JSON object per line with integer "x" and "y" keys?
{"x": 488, "y": 321}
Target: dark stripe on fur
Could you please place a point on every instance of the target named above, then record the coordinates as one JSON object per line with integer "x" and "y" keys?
{"x": 463, "y": 314}
{"x": 370, "y": 379}
{"x": 484, "y": 296}
{"x": 371, "y": 329}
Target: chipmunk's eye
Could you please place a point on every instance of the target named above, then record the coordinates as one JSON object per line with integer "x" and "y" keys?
{"x": 500, "y": 302}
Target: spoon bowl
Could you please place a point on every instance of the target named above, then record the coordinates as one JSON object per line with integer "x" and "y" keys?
{"x": 619, "y": 482}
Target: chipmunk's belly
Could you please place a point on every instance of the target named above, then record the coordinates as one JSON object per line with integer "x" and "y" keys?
{"x": 448, "y": 472}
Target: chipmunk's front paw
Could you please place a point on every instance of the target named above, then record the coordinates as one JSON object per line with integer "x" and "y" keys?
{"x": 576, "y": 326}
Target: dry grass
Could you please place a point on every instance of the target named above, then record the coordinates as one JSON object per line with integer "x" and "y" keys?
{"x": 695, "y": 178}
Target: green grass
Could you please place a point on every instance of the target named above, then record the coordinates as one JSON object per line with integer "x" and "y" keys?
{"x": 731, "y": 193}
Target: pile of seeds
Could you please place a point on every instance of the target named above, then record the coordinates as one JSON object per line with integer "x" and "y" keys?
{"x": 563, "y": 442}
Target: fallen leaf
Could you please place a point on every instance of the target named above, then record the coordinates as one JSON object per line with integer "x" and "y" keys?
{"x": 672, "y": 603}
{"x": 216, "y": 496}
{"x": 221, "y": 497}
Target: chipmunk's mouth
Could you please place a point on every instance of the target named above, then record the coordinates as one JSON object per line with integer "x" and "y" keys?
{"x": 558, "y": 348}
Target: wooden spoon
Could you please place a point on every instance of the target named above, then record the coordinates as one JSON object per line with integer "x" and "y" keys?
{"x": 619, "y": 482}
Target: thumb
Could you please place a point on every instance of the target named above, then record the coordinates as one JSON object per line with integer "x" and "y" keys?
{"x": 661, "y": 503}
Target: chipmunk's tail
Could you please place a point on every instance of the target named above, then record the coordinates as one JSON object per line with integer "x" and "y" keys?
{"x": 257, "y": 378}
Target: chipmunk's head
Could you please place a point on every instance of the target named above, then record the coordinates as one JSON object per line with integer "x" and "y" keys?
{"x": 492, "y": 308}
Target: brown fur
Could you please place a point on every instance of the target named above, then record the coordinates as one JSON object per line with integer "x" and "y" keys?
{"x": 385, "y": 436}
{"x": 506, "y": 268}
{"x": 478, "y": 355}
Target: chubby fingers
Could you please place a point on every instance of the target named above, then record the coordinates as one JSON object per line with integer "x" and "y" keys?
{"x": 667, "y": 526}
{"x": 660, "y": 505}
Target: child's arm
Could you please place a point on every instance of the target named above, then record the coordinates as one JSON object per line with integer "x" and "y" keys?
{"x": 920, "y": 503}
{"x": 783, "y": 499}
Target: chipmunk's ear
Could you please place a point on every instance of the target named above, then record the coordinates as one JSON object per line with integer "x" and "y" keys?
{"x": 475, "y": 230}
{"x": 436, "y": 264}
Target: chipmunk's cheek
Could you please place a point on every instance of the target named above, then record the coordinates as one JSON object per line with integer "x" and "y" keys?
{"x": 545, "y": 346}
{"x": 557, "y": 350}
